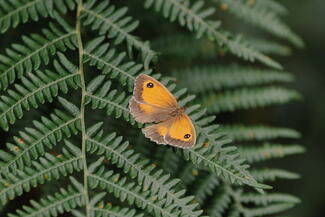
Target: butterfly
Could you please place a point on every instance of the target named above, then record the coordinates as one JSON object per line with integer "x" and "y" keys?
{"x": 153, "y": 103}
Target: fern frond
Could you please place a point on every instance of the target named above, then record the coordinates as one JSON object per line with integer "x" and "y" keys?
{"x": 160, "y": 184}
{"x": 23, "y": 59}
{"x": 234, "y": 211}
{"x": 108, "y": 210}
{"x": 45, "y": 169}
{"x": 209, "y": 152}
{"x": 264, "y": 199}
{"x": 204, "y": 187}
{"x": 202, "y": 79}
{"x": 226, "y": 163}
{"x": 259, "y": 133}
{"x": 264, "y": 19}
{"x": 269, "y": 151}
{"x": 188, "y": 174}
{"x": 248, "y": 98}
{"x": 195, "y": 18}
{"x": 170, "y": 161}
{"x": 31, "y": 143}
{"x": 273, "y": 5}
{"x": 98, "y": 209}
{"x": 270, "y": 47}
{"x": 270, "y": 174}
{"x": 65, "y": 200}
{"x": 105, "y": 58}
{"x": 129, "y": 192}
{"x": 230, "y": 165}
{"x": 99, "y": 96}
{"x": 114, "y": 23}
{"x": 174, "y": 46}
{"x": 267, "y": 210}
{"x": 219, "y": 203}
{"x": 36, "y": 89}
{"x": 265, "y": 204}
{"x": 14, "y": 12}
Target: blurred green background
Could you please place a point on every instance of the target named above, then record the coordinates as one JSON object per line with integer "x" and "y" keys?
{"x": 307, "y": 19}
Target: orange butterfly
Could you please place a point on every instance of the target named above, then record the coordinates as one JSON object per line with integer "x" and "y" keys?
{"x": 152, "y": 102}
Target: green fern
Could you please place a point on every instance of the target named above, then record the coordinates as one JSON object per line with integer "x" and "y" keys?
{"x": 36, "y": 50}
{"x": 248, "y": 98}
{"x": 45, "y": 169}
{"x": 261, "y": 18}
{"x": 63, "y": 201}
{"x": 74, "y": 68}
{"x": 115, "y": 24}
{"x": 269, "y": 151}
{"x": 195, "y": 18}
{"x": 203, "y": 79}
{"x": 14, "y": 12}
{"x": 37, "y": 89}
{"x": 249, "y": 133}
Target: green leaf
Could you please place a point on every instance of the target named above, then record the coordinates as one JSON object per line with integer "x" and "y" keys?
{"x": 45, "y": 169}
{"x": 64, "y": 200}
{"x": 32, "y": 142}
{"x": 114, "y": 23}
{"x": 269, "y": 151}
{"x": 24, "y": 59}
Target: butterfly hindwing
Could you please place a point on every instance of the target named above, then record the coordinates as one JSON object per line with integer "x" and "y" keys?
{"x": 157, "y": 132}
{"x": 181, "y": 132}
{"x": 178, "y": 132}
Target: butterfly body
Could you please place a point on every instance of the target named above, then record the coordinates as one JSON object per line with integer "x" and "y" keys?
{"x": 153, "y": 103}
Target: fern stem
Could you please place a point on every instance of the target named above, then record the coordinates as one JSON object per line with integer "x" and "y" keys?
{"x": 82, "y": 106}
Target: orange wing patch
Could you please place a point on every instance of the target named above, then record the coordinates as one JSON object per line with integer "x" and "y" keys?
{"x": 182, "y": 132}
{"x": 146, "y": 108}
{"x": 150, "y": 91}
{"x": 162, "y": 130}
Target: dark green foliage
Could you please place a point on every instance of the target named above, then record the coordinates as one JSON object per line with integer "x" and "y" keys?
{"x": 269, "y": 151}
{"x": 132, "y": 194}
{"x": 248, "y": 98}
{"x": 36, "y": 89}
{"x": 259, "y": 133}
{"x": 107, "y": 210}
{"x": 14, "y": 12}
{"x": 45, "y": 169}
{"x": 31, "y": 143}
{"x": 36, "y": 50}
{"x": 218, "y": 78}
{"x": 100, "y": 55}
{"x": 115, "y": 23}
{"x": 63, "y": 201}
{"x": 261, "y": 17}
{"x": 76, "y": 67}
{"x": 107, "y": 99}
